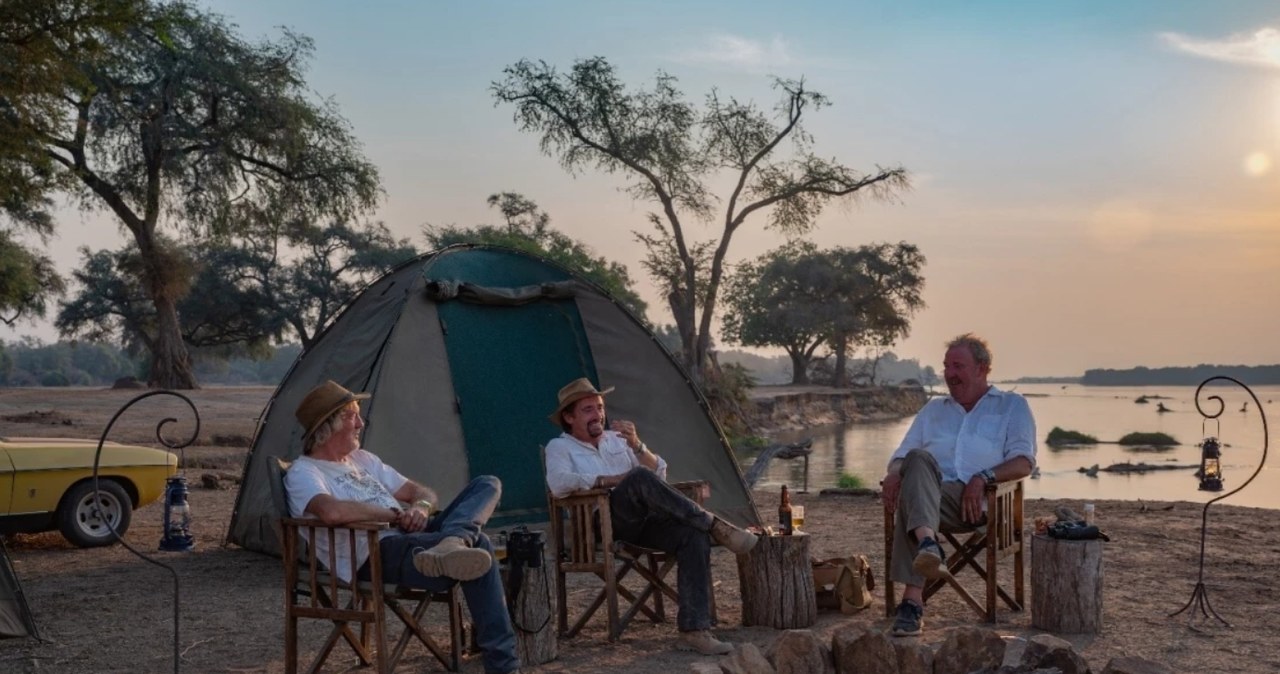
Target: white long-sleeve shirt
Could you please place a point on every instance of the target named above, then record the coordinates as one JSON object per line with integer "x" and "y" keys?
{"x": 999, "y": 427}
{"x": 573, "y": 464}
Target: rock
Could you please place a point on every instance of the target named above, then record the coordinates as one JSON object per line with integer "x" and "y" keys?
{"x": 1046, "y": 650}
{"x": 1132, "y": 664}
{"x": 798, "y": 652}
{"x": 746, "y": 659}
{"x": 862, "y": 651}
{"x": 966, "y": 649}
{"x": 914, "y": 657}
{"x": 210, "y": 481}
{"x": 704, "y": 668}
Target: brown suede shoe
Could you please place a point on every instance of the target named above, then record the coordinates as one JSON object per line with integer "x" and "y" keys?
{"x": 738, "y": 542}
{"x": 702, "y": 642}
{"x": 451, "y": 558}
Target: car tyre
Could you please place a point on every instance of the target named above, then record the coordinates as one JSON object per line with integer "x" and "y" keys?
{"x": 77, "y": 518}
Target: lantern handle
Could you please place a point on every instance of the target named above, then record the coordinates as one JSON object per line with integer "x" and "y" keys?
{"x": 1215, "y": 418}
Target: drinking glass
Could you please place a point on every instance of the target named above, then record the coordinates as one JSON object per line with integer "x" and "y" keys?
{"x": 797, "y": 516}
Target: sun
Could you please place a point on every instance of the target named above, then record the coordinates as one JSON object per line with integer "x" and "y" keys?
{"x": 1257, "y": 164}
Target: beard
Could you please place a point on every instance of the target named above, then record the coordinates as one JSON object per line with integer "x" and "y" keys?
{"x": 595, "y": 428}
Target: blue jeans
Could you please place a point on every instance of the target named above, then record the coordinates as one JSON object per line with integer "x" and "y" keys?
{"x": 649, "y": 512}
{"x": 464, "y": 518}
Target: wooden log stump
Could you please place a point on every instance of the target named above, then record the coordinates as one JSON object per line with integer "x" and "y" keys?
{"x": 533, "y": 616}
{"x": 1066, "y": 585}
{"x": 776, "y": 581}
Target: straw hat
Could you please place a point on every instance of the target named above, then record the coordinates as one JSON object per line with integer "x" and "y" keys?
{"x": 321, "y": 403}
{"x": 573, "y": 392}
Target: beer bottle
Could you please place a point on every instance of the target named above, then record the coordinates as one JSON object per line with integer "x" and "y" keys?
{"x": 784, "y": 513}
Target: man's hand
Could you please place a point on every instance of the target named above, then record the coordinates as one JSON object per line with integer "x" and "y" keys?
{"x": 411, "y": 519}
{"x": 971, "y": 500}
{"x": 889, "y": 488}
{"x": 628, "y": 432}
{"x": 607, "y": 481}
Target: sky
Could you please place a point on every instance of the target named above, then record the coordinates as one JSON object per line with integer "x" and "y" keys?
{"x": 1095, "y": 184}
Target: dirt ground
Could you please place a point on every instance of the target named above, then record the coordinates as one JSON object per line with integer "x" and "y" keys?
{"x": 105, "y": 610}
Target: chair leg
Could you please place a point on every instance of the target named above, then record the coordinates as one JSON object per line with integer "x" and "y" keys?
{"x": 889, "y": 600}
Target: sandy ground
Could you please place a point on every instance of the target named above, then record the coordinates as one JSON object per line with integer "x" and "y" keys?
{"x": 105, "y": 610}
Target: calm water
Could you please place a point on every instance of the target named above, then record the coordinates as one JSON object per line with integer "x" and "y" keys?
{"x": 1106, "y": 413}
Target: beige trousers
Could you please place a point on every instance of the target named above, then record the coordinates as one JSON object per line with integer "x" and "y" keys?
{"x": 924, "y": 500}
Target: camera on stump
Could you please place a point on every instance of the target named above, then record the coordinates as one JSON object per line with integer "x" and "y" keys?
{"x": 525, "y": 548}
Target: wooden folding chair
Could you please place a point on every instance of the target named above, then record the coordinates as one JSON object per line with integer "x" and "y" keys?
{"x": 982, "y": 550}
{"x": 313, "y": 592}
{"x": 579, "y": 545}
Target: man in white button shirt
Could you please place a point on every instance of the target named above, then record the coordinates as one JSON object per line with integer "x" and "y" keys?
{"x": 644, "y": 509}
{"x": 956, "y": 446}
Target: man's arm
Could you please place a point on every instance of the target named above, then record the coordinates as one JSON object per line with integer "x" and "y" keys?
{"x": 627, "y": 431}
{"x": 332, "y": 511}
{"x": 421, "y": 500}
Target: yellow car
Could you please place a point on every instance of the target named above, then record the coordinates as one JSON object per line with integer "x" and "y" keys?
{"x": 47, "y": 484}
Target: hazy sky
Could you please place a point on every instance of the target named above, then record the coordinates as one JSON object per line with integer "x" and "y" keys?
{"x": 1096, "y": 183}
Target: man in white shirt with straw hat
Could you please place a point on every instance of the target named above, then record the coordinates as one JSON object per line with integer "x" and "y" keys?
{"x": 337, "y": 482}
{"x": 644, "y": 509}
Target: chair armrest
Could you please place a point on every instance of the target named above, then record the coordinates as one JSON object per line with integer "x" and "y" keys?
{"x": 580, "y": 496}
{"x": 698, "y": 491}
{"x": 1005, "y": 487}
{"x": 313, "y": 522}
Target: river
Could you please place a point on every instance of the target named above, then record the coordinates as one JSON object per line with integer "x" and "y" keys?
{"x": 1105, "y": 412}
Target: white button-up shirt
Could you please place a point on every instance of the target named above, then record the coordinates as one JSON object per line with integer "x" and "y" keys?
{"x": 573, "y": 464}
{"x": 998, "y": 428}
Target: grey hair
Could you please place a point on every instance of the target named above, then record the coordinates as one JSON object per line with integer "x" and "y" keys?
{"x": 976, "y": 345}
{"x": 326, "y": 429}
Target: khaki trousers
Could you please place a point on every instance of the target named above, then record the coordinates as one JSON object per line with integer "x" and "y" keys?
{"x": 924, "y": 500}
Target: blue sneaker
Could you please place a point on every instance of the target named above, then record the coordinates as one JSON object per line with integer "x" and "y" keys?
{"x": 928, "y": 561}
{"x": 909, "y": 621}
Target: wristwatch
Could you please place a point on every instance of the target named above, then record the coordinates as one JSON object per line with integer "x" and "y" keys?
{"x": 988, "y": 476}
{"x": 424, "y": 504}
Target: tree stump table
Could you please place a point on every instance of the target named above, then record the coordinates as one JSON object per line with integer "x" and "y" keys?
{"x": 533, "y": 614}
{"x": 1066, "y": 585}
{"x": 776, "y": 581}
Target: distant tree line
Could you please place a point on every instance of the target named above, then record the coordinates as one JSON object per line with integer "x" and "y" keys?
{"x": 1181, "y": 376}
{"x": 78, "y": 363}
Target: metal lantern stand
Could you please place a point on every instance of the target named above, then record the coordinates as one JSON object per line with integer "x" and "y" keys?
{"x": 1200, "y": 595}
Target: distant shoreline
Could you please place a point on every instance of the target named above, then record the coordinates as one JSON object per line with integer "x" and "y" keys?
{"x": 1253, "y": 375}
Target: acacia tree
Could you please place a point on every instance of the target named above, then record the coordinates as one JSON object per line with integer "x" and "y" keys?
{"x": 169, "y": 116}
{"x": 670, "y": 152}
{"x": 800, "y": 298}
{"x": 247, "y": 290}
{"x": 527, "y": 227}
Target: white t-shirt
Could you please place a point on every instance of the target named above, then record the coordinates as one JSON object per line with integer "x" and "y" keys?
{"x": 361, "y": 477}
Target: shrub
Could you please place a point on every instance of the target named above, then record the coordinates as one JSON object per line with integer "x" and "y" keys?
{"x": 1060, "y": 436}
{"x": 849, "y": 481}
{"x": 1156, "y": 439}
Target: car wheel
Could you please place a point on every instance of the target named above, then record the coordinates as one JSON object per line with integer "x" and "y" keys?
{"x": 86, "y": 518}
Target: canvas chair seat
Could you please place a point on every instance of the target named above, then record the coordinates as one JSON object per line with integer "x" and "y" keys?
{"x": 313, "y": 592}
{"x": 582, "y": 542}
{"x": 981, "y": 549}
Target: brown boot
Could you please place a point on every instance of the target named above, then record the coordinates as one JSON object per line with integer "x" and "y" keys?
{"x": 451, "y": 558}
{"x": 738, "y": 542}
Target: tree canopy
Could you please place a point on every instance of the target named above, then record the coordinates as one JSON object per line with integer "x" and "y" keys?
{"x": 161, "y": 114}
{"x": 800, "y": 298}
{"x": 670, "y": 152}
{"x": 527, "y": 227}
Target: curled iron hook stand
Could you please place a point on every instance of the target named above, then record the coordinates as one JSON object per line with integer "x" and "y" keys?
{"x": 1200, "y": 595}
{"x": 97, "y": 496}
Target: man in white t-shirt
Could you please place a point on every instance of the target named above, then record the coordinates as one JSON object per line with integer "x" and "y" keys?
{"x": 956, "y": 446}
{"x": 338, "y": 483}
{"x": 644, "y": 509}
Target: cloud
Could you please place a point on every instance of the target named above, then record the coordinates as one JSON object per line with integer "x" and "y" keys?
{"x": 1262, "y": 48}
{"x": 740, "y": 53}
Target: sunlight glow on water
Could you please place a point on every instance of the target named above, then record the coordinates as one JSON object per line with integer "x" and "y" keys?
{"x": 1105, "y": 412}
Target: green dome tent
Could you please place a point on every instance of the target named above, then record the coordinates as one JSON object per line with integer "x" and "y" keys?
{"x": 464, "y": 350}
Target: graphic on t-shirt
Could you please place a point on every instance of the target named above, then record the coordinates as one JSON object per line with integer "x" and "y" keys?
{"x": 357, "y": 485}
